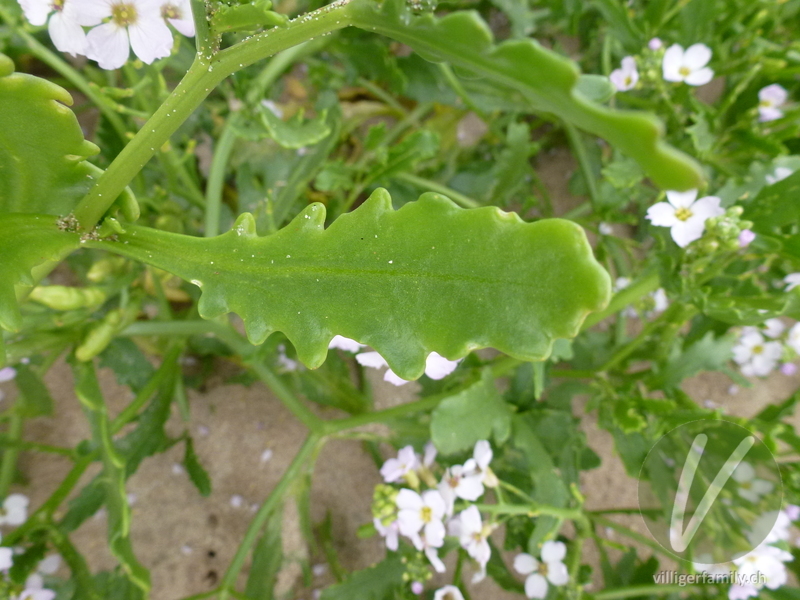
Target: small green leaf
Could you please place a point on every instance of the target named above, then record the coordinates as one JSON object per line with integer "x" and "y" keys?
{"x": 129, "y": 364}
{"x": 196, "y": 472}
{"x": 267, "y": 560}
{"x": 548, "y": 81}
{"x": 245, "y": 17}
{"x": 296, "y": 132}
{"x": 597, "y": 88}
{"x": 428, "y": 277}
{"x": 474, "y": 414}
{"x": 376, "y": 583}
{"x": 701, "y": 135}
{"x": 36, "y": 399}
{"x": 707, "y": 354}
{"x": 775, "y": 209}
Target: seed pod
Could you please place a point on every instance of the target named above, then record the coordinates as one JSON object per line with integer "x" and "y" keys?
{"x": 61, "y": 297}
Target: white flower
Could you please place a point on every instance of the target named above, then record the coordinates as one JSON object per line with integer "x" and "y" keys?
{"x": 420, "y": 513}
{"x": 35, "y": 590}
{"x": 765, "y": 563}
{"x": 7, "y": 374}
{"x": 737, "y": 591}
{"x": 389, "y": 532}
{"x": 688, "y": 66}
{"x": 746, "y": 236}
{"x": 178, "y": 13}
{"x": 793, "y": 339}
{"x": 605, "y": 229}
{"x": 660, "y": 301}
{"x": 136, "y": 24}
{"x": 792, "y": 280}
{"x": 756, "y": 357}
{"x": 448, "y": 592}
{"x": 621, "y": 283}
{"x": 773, "y": 328}
{"x": 780, "y": 174}
{"x": 473, "y": 535}
{"x": 429, "y": 545}
{"x": 552, "y": 569}
{"x": 460, "y": 482}
{"x": 685, "y": 217}
{"x": 345, "y": 344}
{"x": 479, "y": 464}
{"x": 15, "y": 510}
{"x": 770, "y": 98}
{"x": 751, "y": 488}
{"x": 49, "y": 565}
{"x": 625, "y": 78}
{"x": 6, "y": 558}
{"x": 770, "y": 527}
{"x": 63, "y": 26}
{"x": 395, "y": 469}
{"x": 436, "y": 366}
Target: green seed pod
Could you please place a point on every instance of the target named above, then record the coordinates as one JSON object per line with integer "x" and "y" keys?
{"x": 60, "y": 297}
{"x": 104, "y": 269}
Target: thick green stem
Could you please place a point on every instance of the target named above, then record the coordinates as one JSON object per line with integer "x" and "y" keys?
{"x": 297, "y": 466}
{"x": 203, "y": 76}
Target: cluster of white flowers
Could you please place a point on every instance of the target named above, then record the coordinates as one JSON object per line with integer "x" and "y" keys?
{"x": 436, "y": 366}
{"x": 762, "y": 567}
{"x": 689, "y": 66}
{"x": 760, "y": 349}
{"x": 426, "y": 516}
{"x": 685, "y": 215}
{"x": 116, "y": 27}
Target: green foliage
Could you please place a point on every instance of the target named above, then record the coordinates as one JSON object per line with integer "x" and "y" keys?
{"x": 267, "y": 560}
{"x": 405, "y": 282}
{"x": 296, "y": 132}
{"x": 194, "y": 468}
{"x": 544, "y": 78}
{"x": 378, "y": 582}
{"x": 36, "y": 399}
{"x": 475, "y": 414}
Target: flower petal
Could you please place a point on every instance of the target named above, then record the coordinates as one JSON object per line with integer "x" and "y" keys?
{"x": 150, "y": 39}
{"x": 482, "y": 453}
{"x": 662, "y": 215}
{"x": 707, "y": 208}
{"x": 394, "y": 378}
{"x": 409, "y": 500}
{"x": 701, "y": 77}
{"x": 470, "y": 487}
{"x": 371, "y": 359}
{"x": 686, "y": 232}
{"x": 553, "y": 551}
{"x": 338, "y": 341}
{"x": 108, "y": 45}
{"x": 744, "y": 472}
{"x": 557, "y": 573}
{"x": 66, "y": 34}
{"x": 672, "y": 63}
{"x": 184, "y": 26}
{"x": 774, "y": 94}
{"x": 525, "y": 564}
{"x": 536, "y": 586}
{"x": 681, "y": 199}
{"x": 90, "y": 12}
{"x": 438, "y": 367}
{"x": 433, "y": 500}
{"x": 36, "y": 11}
{"x": 696, "y": 57}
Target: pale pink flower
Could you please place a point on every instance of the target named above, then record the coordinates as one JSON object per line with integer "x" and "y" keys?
{"x": 626, "y": 77}
{"x": 688, "y": 66}
{"x": 770, "y": 99}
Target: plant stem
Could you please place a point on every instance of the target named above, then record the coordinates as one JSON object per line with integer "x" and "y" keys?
{"x": 653, "y": 545}
{"x": 273, "y": 501}
{"x": 579, "y": 149}
{"x": 455, "y": 196}
{"x": 76, "y": 562}
{"x": 202, "y": 77}
{"x": 23, "y": 445}
{"x": 533, "y": 510}
{"x": 638, "y": 289}
{"x": 216, "y": 176}
{"x": 285, "y": 395}
{"x": 9, "y": 464}
{"x": 644, "y": 590}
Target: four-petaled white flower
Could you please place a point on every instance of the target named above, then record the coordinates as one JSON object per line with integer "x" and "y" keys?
{"x": 35, "y": 590}
{"x": 448, "y": 592}
{"x": 780, "y": 174}
{"x": 63, "y": 26}
{"x": 770, "y": 98}
{"x": 178, "y": 13}
{"x": 626, "y": 77}
{"x": 792, "y": 280}
{"x": 756, "y": 356}
{"x": 474, "y": 536}
{"x": 436, "y": 366}
{"x": 136, "y": 24}
{"x": 395, "y": 469}
{"x": 684, "y": 215}
{"x": 551, "y": 568}
{"x": 751, "y": 488}
{"x": 14, "y": 510}
{"x": 765, "y": 563}
{"x": 420, "y": 513}
{"x": 460, "y": 482}
{"x": 687, "y": 66}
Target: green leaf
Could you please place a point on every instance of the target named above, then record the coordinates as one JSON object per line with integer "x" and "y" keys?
{"x": 129, "y": 364}
{"x": 267, "y": 560}
{"x": 296, "y": 132}
{"x": 548, "y": 81}
{"x": 36, "y": 399}
{"x": 706, "y": 354}
{"x": 775, "y": 211}
{"x": 376, "y": 583}
{"x": 513, "y": 163}
{"x": 26, "y": 240}
{"x": 702, "y": 138}
{"x": 196, "y": 472}
{"x": 496, "y": 569}
{"x": 597, "y": 88}
{"x": 41, "y": 146}
{"x": 474, "y": 414}
{"x": 428, "y": 277}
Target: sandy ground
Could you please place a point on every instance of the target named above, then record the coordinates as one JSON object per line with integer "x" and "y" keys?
{"x": 187, "y": 540}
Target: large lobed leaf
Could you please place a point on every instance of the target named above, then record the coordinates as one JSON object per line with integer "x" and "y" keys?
{"x": 549, "y": 81}
{"x": 428, "y": 277}
{"x": 42, "y": 148}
